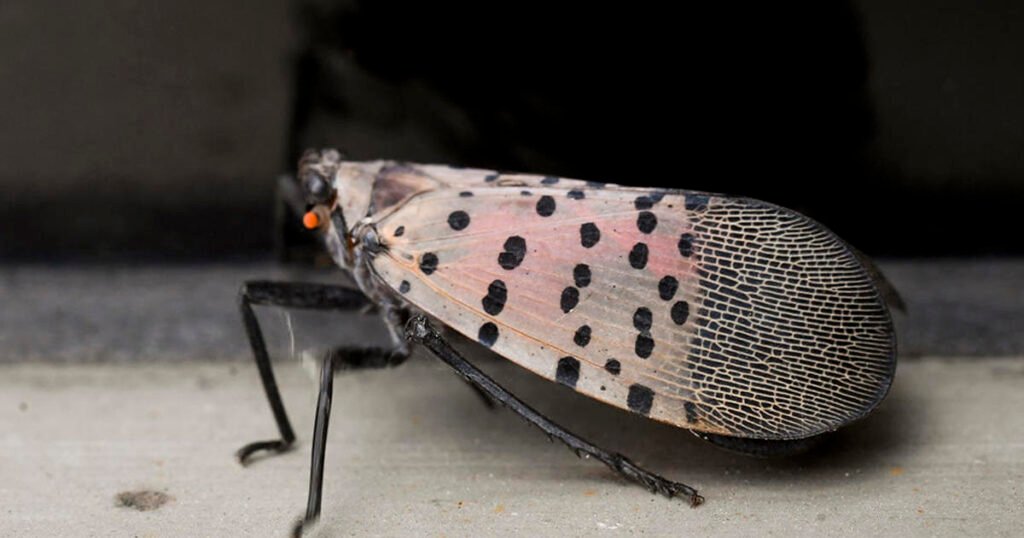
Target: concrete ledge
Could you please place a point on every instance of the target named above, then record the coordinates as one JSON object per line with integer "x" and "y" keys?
{"x": 178, "y": 313}
{"x": 413, "y": 453}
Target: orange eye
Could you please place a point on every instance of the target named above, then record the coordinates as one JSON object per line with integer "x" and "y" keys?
{"x": 311, "y": 220}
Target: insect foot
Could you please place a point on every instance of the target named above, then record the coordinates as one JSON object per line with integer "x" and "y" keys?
{"x": 244, "y": 454}
{"x": 655, "y": 483}
{"x": 302, "y": 525}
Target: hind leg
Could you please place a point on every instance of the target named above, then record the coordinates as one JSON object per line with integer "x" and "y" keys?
{"x": 419, "y": 330}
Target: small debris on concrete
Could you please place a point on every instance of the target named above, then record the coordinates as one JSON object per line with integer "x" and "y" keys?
{"x": 143, "y": 500}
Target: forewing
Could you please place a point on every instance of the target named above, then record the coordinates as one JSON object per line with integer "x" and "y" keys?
{"x": 711, "y": 313}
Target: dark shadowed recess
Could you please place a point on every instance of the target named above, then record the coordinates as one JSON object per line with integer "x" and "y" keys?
{"x": 765, "y": 100}
{"x": 84, "y": 223}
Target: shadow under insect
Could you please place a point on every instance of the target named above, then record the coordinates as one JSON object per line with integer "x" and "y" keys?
{"x": 848, "y": 455}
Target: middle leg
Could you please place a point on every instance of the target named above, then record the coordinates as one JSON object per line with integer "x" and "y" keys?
{"x": 319, "y": 453}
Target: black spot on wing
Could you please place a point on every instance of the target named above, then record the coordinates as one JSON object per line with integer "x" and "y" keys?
{"x": 465, "y": 194}
{"x": 691, "y": 412}
{"x": 549, "y": 180}
{"x": 568, "y": 371}
{"x": 582, "y": 336}
{"x": 613, "y": 366}
{"x": 491, "y": 177}
{"x": 458, "y": 220}
{"x": 515, "y": 252}
{"x": 570, "y": 298}
{"x": 646, "y": 222}
{"x": 647, "y": 201}
{"x": 680, "y": 311}
{"x": 404, "y": 287}
{"x": 686, "y": 245}
{"x": 546, "y": 206}
{"x": 589, "y": 234}
{"x": 428, "y": 263}
{"x": 642, "y": 319}
{"x": 640, "y": 399}
{"x": 575, "y": 194}
{"x": 400, "y": 231}
{"x": 488, "y": 334}
{"x": 667, "y": 287}
{"x": 638, "y": 256}
{"x": 644, "y": 345}
{"x": 581, "y": 275}
{"x": 494, "y": 301}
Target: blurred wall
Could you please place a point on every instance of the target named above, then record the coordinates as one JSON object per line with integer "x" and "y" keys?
{"x": 154, "y": 129}
{"x": 947, "y": 87}
{"x": 140, "y": 127}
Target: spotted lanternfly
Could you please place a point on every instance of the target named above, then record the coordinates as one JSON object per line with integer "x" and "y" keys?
{"x": 746, "y": 323}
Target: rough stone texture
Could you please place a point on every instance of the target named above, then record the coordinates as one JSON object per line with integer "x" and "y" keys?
{"x": 412, "y": 452}
{"x": 153, "y": 313}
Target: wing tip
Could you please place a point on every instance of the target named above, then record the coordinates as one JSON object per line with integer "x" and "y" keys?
{"x": 885, "y": 294}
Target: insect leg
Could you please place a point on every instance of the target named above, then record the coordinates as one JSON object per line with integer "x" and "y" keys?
{"x": 419, "y": 330}
{"x": 316, "y": 468}
{"x": 292, "y": 295}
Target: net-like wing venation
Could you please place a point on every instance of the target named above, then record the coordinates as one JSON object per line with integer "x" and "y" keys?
{"x": 772, "y": 329}
{"x": 793, "y": 338}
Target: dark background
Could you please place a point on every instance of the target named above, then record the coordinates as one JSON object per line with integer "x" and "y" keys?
{"x": 155, "y": 131}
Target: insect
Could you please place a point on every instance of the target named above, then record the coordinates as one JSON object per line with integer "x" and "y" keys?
{"x": 746, "y": 323}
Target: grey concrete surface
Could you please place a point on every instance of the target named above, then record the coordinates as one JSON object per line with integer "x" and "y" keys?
{"x": 150, "y": 313}
{"x": 413, "y": 453}
{"x": 175, "y": 313}
{"x": 119, "y": 379}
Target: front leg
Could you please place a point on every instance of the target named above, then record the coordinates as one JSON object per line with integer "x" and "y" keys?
{"x": 310, "y": 296}
{"x": 419, "y": 330}
{"x": 289, "y": 295}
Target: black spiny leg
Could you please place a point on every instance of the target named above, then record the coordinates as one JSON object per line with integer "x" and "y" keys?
{"x": 289, "y": 295}
{"x": 316, "y": 468}
{"x": 419, "y": 330}
{"x": 308, "y": 296}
